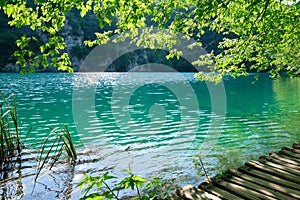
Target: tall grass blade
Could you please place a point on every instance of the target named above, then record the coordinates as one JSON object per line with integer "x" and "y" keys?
{"x": 69, "y": 144}
{"x": 28, "y": 132}
{"x": 62, "y": 141}
{"x": 45, "y": 159}
{"x": 10, "y": 144}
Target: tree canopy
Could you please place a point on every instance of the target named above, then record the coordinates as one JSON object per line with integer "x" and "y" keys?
{"x": 260, "y": 35}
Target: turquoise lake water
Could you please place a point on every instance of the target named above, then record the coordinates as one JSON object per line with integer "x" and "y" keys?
{"x": 164, "y": 119}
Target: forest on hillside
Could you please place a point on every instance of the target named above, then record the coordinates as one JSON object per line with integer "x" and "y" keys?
{"x": 79, "y": 29}
{"x": 76, "y": 31}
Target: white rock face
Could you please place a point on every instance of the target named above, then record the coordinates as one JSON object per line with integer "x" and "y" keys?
{"x": 70, "y": 40}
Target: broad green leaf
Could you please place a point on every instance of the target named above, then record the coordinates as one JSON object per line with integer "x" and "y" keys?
{"x": 138, "y": 179}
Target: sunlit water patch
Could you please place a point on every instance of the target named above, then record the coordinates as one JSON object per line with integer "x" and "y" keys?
{"x": 155, "y": 122}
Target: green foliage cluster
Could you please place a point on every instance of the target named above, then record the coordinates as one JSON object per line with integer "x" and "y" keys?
{"x": 12, "y": 39}
{"x": 132, "y": 182}
{"x": 265, "y": 32}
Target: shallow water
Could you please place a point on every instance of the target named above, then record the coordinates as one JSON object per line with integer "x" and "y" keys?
{"x": 165, "y": 119}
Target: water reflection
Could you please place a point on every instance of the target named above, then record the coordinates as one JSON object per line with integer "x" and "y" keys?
{"x": 287, "y": 95}
{"x": 262, "y": 117}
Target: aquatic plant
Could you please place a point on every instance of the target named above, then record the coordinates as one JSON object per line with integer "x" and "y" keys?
{"x": 10, "y": 144}
{"x": 57, "y": 141}
{"x": 198, "y": 162}
{"x": 136, "y": 183}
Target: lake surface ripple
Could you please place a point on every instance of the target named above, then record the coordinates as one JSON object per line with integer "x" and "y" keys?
{"x": 155, "y": 122}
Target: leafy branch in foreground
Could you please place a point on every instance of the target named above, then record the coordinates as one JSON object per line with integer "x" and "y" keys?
{"x": 133, "y": 182}
{"x": 58, "y": 140}
{"x": 260, "y": 36}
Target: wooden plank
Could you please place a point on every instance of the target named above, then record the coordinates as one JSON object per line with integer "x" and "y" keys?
{"x": 190, "y": 192}
{"x": 288, "y": 156}
{"x": 268, "y": 177}
{"x": 223, "y": 194}
{"x": 276, "y": 176}
{"x": 258, "y": 188}
{"x": 280, "y": 162}
{"x": 296, "y": 150}
{"x": 291, "y": 149}
{"x": 174, "y": 196}
{"x": 296, "y": 145}
{"x": 284, "y": 159}
{"x": 279, "y": 166}
{"x": 241, "y": 190}
{"x": 274, "y": 171}
{"x": 289, "y": 153}
{"x": 273, "y": 186}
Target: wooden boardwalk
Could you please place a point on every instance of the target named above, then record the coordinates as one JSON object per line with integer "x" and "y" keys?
{"x": 276, "y": 176}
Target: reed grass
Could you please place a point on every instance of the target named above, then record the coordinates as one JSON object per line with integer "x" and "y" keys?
{"x": 57, "y": 141}
{"x": 10, "y": 144}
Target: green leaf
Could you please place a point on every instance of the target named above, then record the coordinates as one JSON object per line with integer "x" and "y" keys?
{"x": 42, "y": 48}
{"x": 138, "y": 179}
{"x": 9, "y": 9}
{"x": 99, "y": 183}
{"x": 93, "y": 196}
{"x": 81, "y": 183}
{"x": 106, "y": 176}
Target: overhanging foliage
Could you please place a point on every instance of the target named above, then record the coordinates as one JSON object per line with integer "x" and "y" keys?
{"x": 264, "y": 35}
